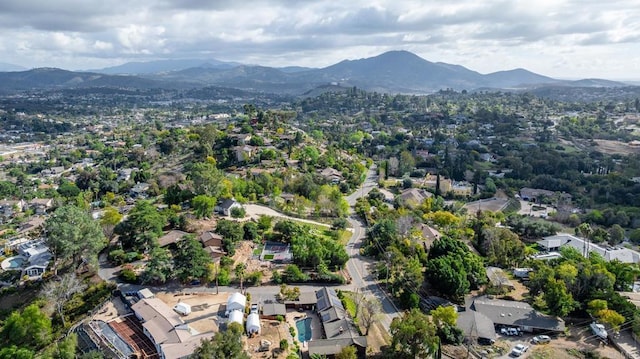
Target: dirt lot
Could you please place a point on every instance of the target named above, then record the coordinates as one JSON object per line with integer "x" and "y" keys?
{"x": 204, "y": 308}
{"x": 493, "y": 205}
{"x": 272, "y": 331}
{"x": 580, "y": 340}
{"x": 615, "y": 147}
{"x": 244, "y": 254}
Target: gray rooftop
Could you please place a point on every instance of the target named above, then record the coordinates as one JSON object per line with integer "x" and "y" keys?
{"x": 508, "y": 312}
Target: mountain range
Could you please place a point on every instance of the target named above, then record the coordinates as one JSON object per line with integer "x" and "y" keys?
{"x": 393, "y": 72}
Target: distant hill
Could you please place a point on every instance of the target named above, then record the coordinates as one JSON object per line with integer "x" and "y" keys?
{"x": 10, "y": 67}
{"x": 45, "y": 78}
{"x": 152, "y": 67}
{"x": 393, "y": 72}
{"x": 515, "y": 78}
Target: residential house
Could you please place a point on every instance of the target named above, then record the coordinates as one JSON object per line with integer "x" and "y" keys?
{"x": 429, "y": 235}
{"x": 273, "y": 310}
{"x": 172, "y": 337}
{"x": 41, "y": 205}
{"x": 332, "y": 175}
{"x": 34, "y": 224}
{"x": 172, "y": 237}
{"x": 517, "y": 314}
{"x": 413, "y": 197}
{"x": 539, "y": 195}
{"x": 585, "y": 247}
{"x": 338, "y": 330}
{"x": 244, "y": 153}
{"x": 226, "y": 206}
{"x": 210, "y": 238}
{"x": 477, "y": 325}
{"x": 139, "y": 190}
{"x": 124, "y": 174}
{"x": 9, "y": 208}
{"x": 212, "y": 243}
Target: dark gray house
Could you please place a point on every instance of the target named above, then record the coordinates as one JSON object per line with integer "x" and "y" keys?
{"x": 516, "y": 314}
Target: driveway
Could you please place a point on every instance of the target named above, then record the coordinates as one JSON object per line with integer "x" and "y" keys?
{"x": 255, "y": 210}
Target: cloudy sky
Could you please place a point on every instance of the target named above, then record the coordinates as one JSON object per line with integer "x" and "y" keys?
{"x": 560, "y": 38}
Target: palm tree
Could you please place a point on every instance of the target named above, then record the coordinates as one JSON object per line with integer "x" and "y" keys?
{"x": 240, "y": 272}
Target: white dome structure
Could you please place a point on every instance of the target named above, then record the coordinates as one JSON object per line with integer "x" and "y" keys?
{"x": 236, "y": 316}
{"x": 236, "y": 301}
{"x": 253, "y": 324}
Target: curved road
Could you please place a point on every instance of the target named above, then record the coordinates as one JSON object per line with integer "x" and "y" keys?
{"x": 359, "y": 267}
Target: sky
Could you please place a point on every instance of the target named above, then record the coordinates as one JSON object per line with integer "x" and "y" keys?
{"x": 558, "y": 38}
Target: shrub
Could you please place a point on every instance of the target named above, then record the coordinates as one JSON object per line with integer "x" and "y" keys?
{"x": 128, "y": 275}
{"x": 276, "y": 277}
{"x": 284, "y": 344}
{"x": 238, "y": 212}
{"x": 133, "y": 256}
{"x": 223, "y": 277}
{"x": 280, "y": 318}
{"x": 254, "y": 278}
{"x": 117, "y": 256}
{"x": 292, "y": 332}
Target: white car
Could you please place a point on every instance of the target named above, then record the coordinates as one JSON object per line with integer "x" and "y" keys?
{"x": 541, "y": 339}
{"x": 519, "y": 349}
{"x": 254, "y": 309}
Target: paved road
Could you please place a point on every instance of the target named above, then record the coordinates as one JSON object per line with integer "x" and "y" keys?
{"x": 361, "y": 268}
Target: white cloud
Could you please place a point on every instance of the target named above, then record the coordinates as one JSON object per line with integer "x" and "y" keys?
{"x": 554, "y": 37}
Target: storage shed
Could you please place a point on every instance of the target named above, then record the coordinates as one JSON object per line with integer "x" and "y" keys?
{"x": 253, "y": 324}
{"x": 236, "y": 301}
{"x": 236, "y": 316}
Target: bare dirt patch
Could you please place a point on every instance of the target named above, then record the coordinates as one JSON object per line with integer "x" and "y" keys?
{"x": 615, "y": 147}
{"x": 272, "y": 331}
{"x": 205, "y": 308}
{"x": 244, "y": 254}
{"x": 377, "y": 339}
{"x": 492, "y": 204}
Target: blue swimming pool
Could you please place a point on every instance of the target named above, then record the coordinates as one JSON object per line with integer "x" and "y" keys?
{"x": 13, "y": 263}
{"x": 304, "y": 329}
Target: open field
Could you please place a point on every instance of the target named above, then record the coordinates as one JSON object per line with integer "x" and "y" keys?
{"x": 616, "y": 147}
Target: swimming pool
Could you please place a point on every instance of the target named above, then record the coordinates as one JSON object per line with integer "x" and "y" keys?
{"x": 304, "y": 329}
{"x": 13, "y": 263}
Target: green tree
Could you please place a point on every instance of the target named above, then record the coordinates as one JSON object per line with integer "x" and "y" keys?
{"x": 159, "y": 268}
{"x": 65, "y": 349}
{"x": 616, "y": 234}
{"x": 110, "y": 218}
{"x": 206, "y": 179}
{"x": 191, "y": 260}
{"x": 203, "y": 205}
{"x": 240, "y": 272}
{"x": 224, "y": 345}
{"x": 14, "y": 352}
{"x": 502, "y": 247}
{"x": 142, "y": 227}
{"x": 29, "y": 329}
{"x": 558, "y": 300}
{"x": 73, "y": 235}
{"x": 413, "y": 336}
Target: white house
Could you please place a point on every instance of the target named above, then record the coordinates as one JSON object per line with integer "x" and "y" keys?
{"x": 226, "y": 206}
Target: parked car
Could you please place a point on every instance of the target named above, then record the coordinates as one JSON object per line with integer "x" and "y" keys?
{"x": 510, "y": 331}
{"x": 254, "y": 309}
{"x": 519, "y": 349}
{"x": 541, "y": 339}
{"x": 599, "y": 330}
